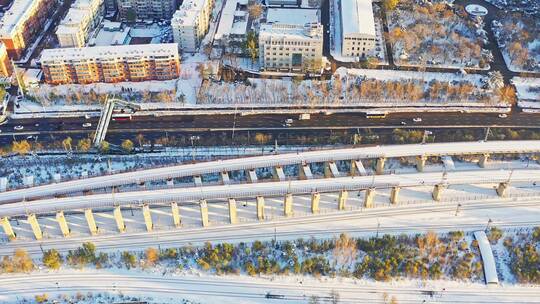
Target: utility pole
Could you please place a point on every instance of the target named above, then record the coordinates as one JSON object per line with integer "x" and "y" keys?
{"x": 457, "y": 209}
{"x": 488, "y": 130}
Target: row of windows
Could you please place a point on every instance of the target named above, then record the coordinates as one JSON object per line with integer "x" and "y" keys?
{"x": 361, "y": 39}
{"x": 286, "y": 42}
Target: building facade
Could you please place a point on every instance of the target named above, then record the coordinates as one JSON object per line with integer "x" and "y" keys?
{"x": 23, "y": 22}
{"x": 146, "y": 9}
{"x": 6, "y": 68}
{"x": 190, "y": 23}
{"x": 82, "y": 18}
{"x": 291, "y": 48}
{"x": 357, "y": 28}
{"x": 111, "y": 64}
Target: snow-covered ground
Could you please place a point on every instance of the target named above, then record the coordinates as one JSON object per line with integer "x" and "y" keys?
{"x": 527, "y": 91}
{"x": 518, "y": 37}
{"x": 436, "y": 35}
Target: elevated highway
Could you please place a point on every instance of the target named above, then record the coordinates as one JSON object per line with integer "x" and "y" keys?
{"x": 380, "y": 153}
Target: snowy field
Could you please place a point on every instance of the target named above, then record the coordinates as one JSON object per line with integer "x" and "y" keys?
{"x": 531, "y": 7}
{"x": 518, "y": 37}
{"x": 436, "y": 35}
{"x": 527, "y": 91}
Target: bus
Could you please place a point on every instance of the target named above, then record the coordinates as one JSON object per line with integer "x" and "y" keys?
{"x": 375, "y": 115}
{"x": 122, "y": 117}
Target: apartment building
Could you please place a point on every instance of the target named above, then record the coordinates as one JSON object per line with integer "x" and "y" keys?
{"x": 111, "y": 64}
{"x": 291, "y": 42}
{"x": 357, "y": 28}
{"x": 146, "y": 9}
{"x": 23, "y": 22}
{"x": 6, "y": 68}
{"x": 190, "y": 23}
{"x": 82, "y": 18}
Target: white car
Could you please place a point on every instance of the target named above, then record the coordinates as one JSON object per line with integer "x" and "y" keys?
{"x": 289, "y": 121}
{"x": 18, "y": 128}
{"x": 86, "y": 125}
{"x": 503, "y": 115}
{"x": 417, "y": 119}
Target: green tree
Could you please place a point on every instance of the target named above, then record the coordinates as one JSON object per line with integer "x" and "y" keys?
{"x": 129, "y": 259}
{"x": 52, "y": 259}
{"x": 127, "y": 145}
{"x": 131, "y": 15}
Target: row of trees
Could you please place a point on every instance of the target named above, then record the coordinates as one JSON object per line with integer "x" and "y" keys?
{"x": 518, "y": 32}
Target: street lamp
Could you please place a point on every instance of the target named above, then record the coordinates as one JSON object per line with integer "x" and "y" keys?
{"x": 457, "y": 209}
{"x": 488, "y": 224}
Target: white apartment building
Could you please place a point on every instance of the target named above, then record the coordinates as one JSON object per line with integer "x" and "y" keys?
{"x": 289, "y": 47}
{"x": 190, "y": 23}
{"x": 291, "y": 40}
{"x": 81, "y": 19}
{"x": 357, "y": 28}
{"x": 146, "y": 9}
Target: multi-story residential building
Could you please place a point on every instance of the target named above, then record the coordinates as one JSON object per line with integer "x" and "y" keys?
{"x": 111, "y": 64}
{"x": 357, "y": 28}
{"x": 83, "y": 17}
{"x": 146, "y": 9}
{"x": 232, "y": 29}
{"x": 190, "y": 23}
{"x": 23, "y": 22}
{"x": 6, "y": 68}
{"x": 292, "y": 41}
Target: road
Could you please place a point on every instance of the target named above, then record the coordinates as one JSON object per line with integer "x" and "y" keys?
{"x": 155, "y": 127}
{"x": 241, "y": 289}
{"x": 473, "y": 214}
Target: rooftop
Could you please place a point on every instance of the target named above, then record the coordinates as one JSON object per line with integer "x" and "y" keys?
{"x": 357, "y": 17}
{"x": 17, "y": 13}
{"x": 109, "y": 52}
{"x": 227, "y": 18}
{"x": 188, "y": 12}
{"x": 292, "y": 16}
{"x": 291, "y": 31}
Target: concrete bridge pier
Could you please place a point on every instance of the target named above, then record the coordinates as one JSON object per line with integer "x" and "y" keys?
{"x": 421, "y": 163}
{"x": 32, "y": 220}
{"x": 89, "y": 215}
{"x": 7, "y": 228}
{"x": 502, "y": 189}
{"x": 288, "y": 205}
{"x": 278, "y": 174}
{"x": 61, "y": 219}
{"x": 233, "y": 217}
{"x": 315, "y": 199}
{"x": 204, "y": 213}
{"x": 304, "y": 172}
{"x": 357, "y": 168}
{"x": 380, "y": 165}
{"x": 252, "y": 176}
{"x": 117, "y": 212}
{"x": 147, "y": 218}
{"x": 394, "y": 195}
{"x": 175, "y": 215}
{"x": 484, "y": 158}
{"x": 330, "y": 169}
{"x": 368, "y": 199}
{"x": 197, "y": 180}
{"x": 224, "y": 177}
{"x": 260, "y": 208}
{"x": 3, "y": 184}
{"x": 437, "y": 192}
{"x": 342, "y": 199}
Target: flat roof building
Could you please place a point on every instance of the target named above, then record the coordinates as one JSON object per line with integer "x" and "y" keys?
{"x": 23, "y": 22}
{"x": 357, "y": 28}
{"x": 146, "y": 9}
{"x": 82, "y": 18}
{"x": 291, "y": 47}
{"x": 111, "y": 64}
{"x": 190, "y": 23}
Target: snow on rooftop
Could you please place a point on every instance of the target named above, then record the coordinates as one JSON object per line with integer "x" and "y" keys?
{"x": 357, "y": 17}
{"x": 290, "y": 31}
{"x": 188, "y": 12}
{"x": 227, "y": 18}
{"x": 116, "y": 51}
{"x": 292, "y": 16}
{"x": 19, "y": 12}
